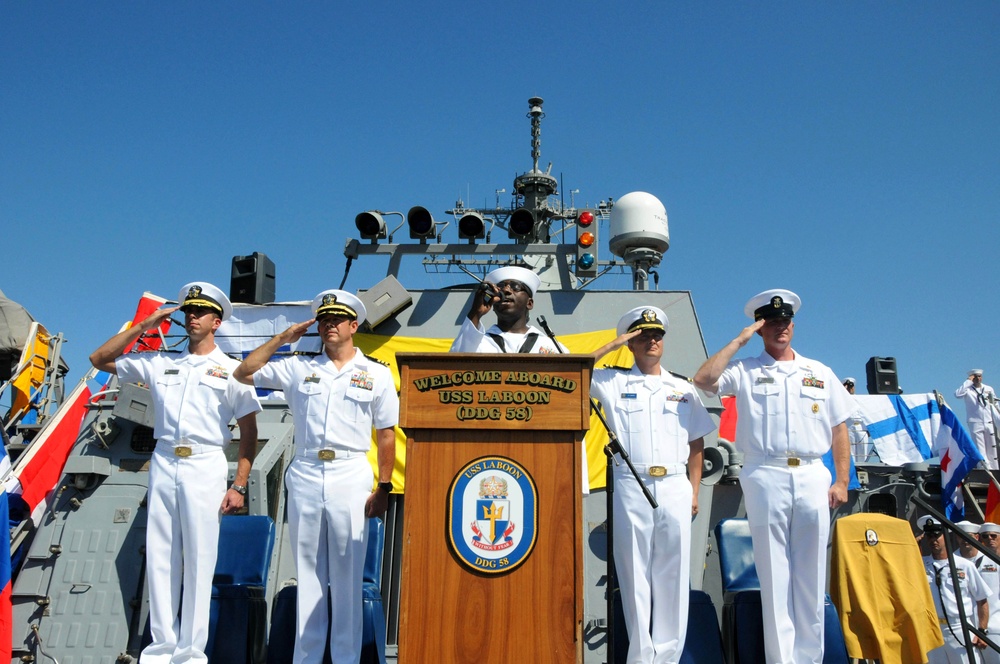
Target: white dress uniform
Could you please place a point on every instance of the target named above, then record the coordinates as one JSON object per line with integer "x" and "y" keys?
{"x": 477, "y": 339}
{"x": 787, "y": 412}
{"x": 328, "y": 483}
{"x": 194, "y": 399}
{"x": 990, "y": 572}
{"x": 973, "y": 588}
{"x": 654, "y": 417}
{"x": 979, "y": 416}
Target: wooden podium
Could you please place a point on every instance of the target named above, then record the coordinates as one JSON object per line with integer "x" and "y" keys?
{"x": 492, "y": 560}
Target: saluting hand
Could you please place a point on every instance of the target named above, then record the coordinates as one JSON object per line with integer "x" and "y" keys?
{"x": 748, "y": 332}
{"x": 297, "y": 331}
{"x": 156, "y": 318}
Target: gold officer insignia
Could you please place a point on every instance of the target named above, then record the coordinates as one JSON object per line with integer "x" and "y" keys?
{"x": 776, "y": 301}
{"x": 649, "y": 316}
{"x": 194, "y": 292}
{"x": 329, "y": 299}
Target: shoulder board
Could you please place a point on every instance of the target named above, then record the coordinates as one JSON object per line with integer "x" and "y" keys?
{"x": 616, "y": 368}
{"x": 681, "y": 376}
{"x": 376, "y": 361}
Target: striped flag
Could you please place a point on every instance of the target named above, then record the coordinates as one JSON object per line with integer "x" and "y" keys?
{"x": 6, "y": 615}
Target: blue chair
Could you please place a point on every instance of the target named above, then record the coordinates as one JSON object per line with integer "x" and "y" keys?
{"x": 742, "y": 621}
{"x": 703, "y": 644}
{"x": 239, "y": 606}
{"x": 373, "y": 635}
{"x": 742, "y": 617}
{"x": 281, "y": 640}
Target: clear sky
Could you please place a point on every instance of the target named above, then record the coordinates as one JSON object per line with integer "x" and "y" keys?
{"x": 848, "y": 151}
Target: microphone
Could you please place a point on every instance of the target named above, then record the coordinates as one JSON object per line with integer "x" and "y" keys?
{"x": 489, "y": 292}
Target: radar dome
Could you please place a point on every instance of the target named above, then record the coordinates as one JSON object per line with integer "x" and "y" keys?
{"x": 638, "y": 221}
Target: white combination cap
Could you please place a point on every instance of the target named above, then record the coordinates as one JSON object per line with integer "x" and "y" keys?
{"x": 341, "y": 303}
{"x": 774, "y": 303}
{"x": 204, "y": 294}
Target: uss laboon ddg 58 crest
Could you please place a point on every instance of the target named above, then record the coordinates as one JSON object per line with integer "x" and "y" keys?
{"x": 493, "y": 515}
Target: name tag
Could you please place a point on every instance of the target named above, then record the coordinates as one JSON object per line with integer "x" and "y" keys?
{"x": 764, "y": 380}
{"x": 629, "y": 395}
{"x": 171, "y": 372}
{"x": 311, "y": 379}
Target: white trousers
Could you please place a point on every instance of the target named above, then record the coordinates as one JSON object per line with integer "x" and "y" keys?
{"x": 953, "y": 652}
{"x": 329, "y": 536}
{"x": 982, "y": 434}
{"x": 182, "y": 540}
{"x": 789, "y": 514}
{"x": 653, "y": 560}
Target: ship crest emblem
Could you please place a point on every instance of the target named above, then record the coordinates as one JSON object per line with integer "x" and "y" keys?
{"x": 871, "y": 537}
{"x": 492, "y": 517}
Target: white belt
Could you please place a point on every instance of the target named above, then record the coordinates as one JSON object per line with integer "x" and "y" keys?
{"x": 328, "y": 454}
{"x": 185, "y": 448}
{"x": 784, "y": 461}
{"x": 653, "y": 470}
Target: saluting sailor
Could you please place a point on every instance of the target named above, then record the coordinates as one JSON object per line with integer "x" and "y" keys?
{"x": 194, "y": 401}
{"x": 979, "y": 414}
{"x": 509, "y": 292}
{"x": 336, "y": 398}
{"x": 661, "y": 423}
{"x": 792, "y": 411}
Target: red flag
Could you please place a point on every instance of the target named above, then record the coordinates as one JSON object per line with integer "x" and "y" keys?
{"x": 993, "y": 504}
{"x": 727, "y": 423}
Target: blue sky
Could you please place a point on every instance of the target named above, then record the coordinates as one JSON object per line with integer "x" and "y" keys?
{"x": 848, "y": 151}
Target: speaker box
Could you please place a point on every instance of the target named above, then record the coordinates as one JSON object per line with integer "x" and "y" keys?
{"x": 882, "y": 377}
{"x": 252, "y": 280}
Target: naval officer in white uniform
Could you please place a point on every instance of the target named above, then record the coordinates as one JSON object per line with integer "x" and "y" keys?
{"x": 792, "y": 411}
{"x": 194, "y": 400}
{"x": 979, "y": 399}
{"x": 509, "y": 292}
{"x": 975, "y": 595}
{"x": 661, "y": 422}
{"x": 336, "y": 398}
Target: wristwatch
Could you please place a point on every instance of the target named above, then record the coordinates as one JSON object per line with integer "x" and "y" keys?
{"x": 242, "y": 490}
{"x": 385, "y": 486}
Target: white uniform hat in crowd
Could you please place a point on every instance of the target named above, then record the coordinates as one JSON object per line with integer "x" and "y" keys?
{"x": 341, "y": 303}
{"x": 204, "y": 294}
{"x": 989, "y": 528}
{"x": 774, "y": 303}
{"x": 643, "y": 318}
{"x": 924, "y": 520}
{"x": 850, "y": 379}
{"x": 968, "y": 526}
{"x": 976, "y": 372}
{"x": 514, "y": 273}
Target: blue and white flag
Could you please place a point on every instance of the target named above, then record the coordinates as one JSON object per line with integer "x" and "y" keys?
{"x": 913, "y": 428}
{"x": 959, "y": 455}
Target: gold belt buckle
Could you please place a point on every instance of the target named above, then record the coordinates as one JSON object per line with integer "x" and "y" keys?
{"x": 657, "y": 471}
{"x": 182, "y": 451}
{"x": 327, "y": 455}
{"x": 794, "y": 462}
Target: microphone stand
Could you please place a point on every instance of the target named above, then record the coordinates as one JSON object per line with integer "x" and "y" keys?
{"x": 613, "y": 447}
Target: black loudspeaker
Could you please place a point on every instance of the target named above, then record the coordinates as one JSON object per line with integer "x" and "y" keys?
{"x": 252, "y": 280}
{"x": 882, "y": 377}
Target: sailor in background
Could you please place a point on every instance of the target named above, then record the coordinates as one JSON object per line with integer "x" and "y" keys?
{"x": 792, "y": 411}
{"x": 194, "y": 399}
{"x": 965, "y": 549}
{"x": 979, "y": 413}
{"x": 336, "y": 398}
{"x": 975, "y": 594}
{"x": 862, "y": 448}
{"x": 661, "y": 422}
{"x": 509, "y": 292}
{"x": 989, "y": 537}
